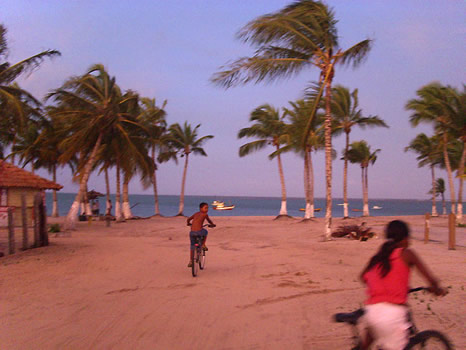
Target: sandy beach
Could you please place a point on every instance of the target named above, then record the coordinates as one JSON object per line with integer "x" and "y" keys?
{"x": 268, "y": 284}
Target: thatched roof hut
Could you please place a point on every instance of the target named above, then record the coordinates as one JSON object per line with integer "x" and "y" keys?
{"x": 14, "y": 182}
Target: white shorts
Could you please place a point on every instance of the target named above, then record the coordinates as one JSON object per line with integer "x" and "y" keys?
{"x": 388, "y": 324}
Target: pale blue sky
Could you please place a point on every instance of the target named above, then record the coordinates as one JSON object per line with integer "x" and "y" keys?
{"x": 169, "y": 50}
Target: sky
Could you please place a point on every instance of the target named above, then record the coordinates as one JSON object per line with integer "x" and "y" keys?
{"x": 169, "y": 50}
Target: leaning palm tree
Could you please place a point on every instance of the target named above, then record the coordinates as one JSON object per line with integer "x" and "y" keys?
{"x": 90, "y": 106}
{"x": 429, "y": 152}
{"x": 184, "y": 140}
{"x": 346, "y": 114}
{"x": 298, "y": 115}
{"x": 439, "y": 190}
{"x": 153, "y": 119}
{"x": 360, "y": 152}
{"x": 437, "y": 104}
{"x": 269, "y": 129}
{"x": 299, "y": 36}
{"x": 12, "y": 97}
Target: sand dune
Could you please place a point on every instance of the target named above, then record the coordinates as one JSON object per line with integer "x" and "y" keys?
{"x": 267, "y": 285}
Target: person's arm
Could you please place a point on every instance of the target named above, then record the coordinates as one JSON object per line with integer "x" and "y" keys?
{"x": 210, "y": 221}
{"x": 188, "y": 221}
{"x": 411, "y": 258}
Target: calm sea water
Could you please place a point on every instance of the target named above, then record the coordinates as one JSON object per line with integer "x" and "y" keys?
{"x": 143, "y": 205}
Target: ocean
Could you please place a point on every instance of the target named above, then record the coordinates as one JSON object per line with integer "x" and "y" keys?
{"x": 143, "y": 205}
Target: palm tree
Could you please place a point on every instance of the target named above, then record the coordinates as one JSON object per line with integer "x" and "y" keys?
{"x": 346, "y": 114}
{"x": 12, "y": 98}
{"x": 40, "y": 147}
{"x": 184, "y": 140}
{"x": 428, "y": 150}
{"x": 439, "y": 190}
{"x": 90, "y": 105}
{"x": 269, "y": 129}
{"x": 153, "y": 119}
{"x": 437, "y": 104}
{"x": 298, "y": 115}
{"x": 299, "y": 36}
{"x": 360, "y": 152}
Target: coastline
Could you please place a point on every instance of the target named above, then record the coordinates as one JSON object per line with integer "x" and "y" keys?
{"x": 267, "y": 284}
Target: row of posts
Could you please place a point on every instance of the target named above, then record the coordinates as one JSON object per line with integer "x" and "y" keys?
{"x": 451, "y": 230}
{"x": 41, "y": 237}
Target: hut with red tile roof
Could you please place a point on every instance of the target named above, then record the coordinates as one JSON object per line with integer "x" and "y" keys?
{"x": 14, "y": 182}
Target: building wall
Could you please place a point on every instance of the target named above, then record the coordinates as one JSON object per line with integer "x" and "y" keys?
{"x": 14, "y": 200}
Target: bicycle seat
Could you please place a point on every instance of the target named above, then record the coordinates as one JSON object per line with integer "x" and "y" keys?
{"x": 349, "y": 317}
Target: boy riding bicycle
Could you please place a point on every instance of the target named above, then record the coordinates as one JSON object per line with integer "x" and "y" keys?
{"x": 196, "y": 222}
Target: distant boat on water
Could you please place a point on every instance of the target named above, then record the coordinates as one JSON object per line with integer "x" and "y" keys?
{"x": 376, "y": 207}
{"x": 216, "y": 202}
{"x": 222, "y": 206}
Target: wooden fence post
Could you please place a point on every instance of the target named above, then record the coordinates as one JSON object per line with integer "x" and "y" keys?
{"x": 36, "y": 222}
{"x": 25, "y": 221}
{"x": 427, "y": 229}
{"x": 11, "y": 232}
{"x": 451, "y": 231}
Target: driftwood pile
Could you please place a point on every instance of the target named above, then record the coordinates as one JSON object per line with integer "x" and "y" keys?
{"x": 358, "y": 232}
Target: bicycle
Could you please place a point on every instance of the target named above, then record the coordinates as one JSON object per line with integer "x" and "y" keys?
{"x": 427, "y": 340}
{"x": 199, "y": 254}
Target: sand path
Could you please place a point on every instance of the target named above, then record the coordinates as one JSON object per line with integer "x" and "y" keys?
{"x": 267, "y": 285}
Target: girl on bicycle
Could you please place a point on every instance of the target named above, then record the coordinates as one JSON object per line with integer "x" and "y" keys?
{"x": 387, "y": 279}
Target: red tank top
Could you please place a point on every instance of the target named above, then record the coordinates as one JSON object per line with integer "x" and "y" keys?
{"x": 393, "y": 288}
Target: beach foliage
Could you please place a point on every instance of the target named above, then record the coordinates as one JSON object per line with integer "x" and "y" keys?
{"x": 346, "y": 114}
{"x": 268, "y": 128}
{"x": 360, "y": 152}
{"x": 181, "y": 142}
{"x": 300, "y": 36}
{"x": 444, "y": 107}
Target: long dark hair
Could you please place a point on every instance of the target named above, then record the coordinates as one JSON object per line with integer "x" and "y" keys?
{"x": 395, "y": 232}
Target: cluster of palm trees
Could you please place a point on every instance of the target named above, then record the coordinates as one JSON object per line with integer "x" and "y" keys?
{"x": 299, "y": 36}
{"x": 91, "y": 125}
{"x": 284, "y": 131}
{"x": 443, "y": 107}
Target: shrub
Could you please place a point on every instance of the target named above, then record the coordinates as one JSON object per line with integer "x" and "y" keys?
{"x": 54, "y": 228}
{"x": 359, "y": 232}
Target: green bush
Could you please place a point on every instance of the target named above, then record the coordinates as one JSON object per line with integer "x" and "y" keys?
{"x": 54, "y": 228}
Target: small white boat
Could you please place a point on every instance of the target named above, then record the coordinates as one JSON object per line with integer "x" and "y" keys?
{"x": 341, "y": 204}
{"x": 216, "y": 203}
{"x": 223, "y": 207}
{"x": 376, "y": 207}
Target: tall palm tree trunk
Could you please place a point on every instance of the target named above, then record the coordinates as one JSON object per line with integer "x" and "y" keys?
{"x": 118, "y": 213}
{"x": 444, "y": 205}
{"x": 434, "y": 193}
{"x": 283, "y": 211}
{"x": 183, "y": 181}
{"x": 365, "y": 193}
{"x": 126, "y": 206}
{"x": 154, "y": 183}
{"x": 71, "y": 218}
{"x": 328, "y": 157}
{"x": 54, "y": 194}
{"x": 311, "y": 184}
{"x": 345, "y": 179}
{"x": 107, "y": 190}
{"x": 450, "y": 174}
{"x": 307, "y": 193}
{"x": 459, "y": 208}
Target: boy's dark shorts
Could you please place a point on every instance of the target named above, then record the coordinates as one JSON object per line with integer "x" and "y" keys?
{"x": 192, "y": 234}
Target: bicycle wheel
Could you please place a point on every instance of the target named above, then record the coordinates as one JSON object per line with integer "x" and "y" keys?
{"x": 429, "y": 340}
{"x": 194, "y": 268}
{"x": 202, "y": 259}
